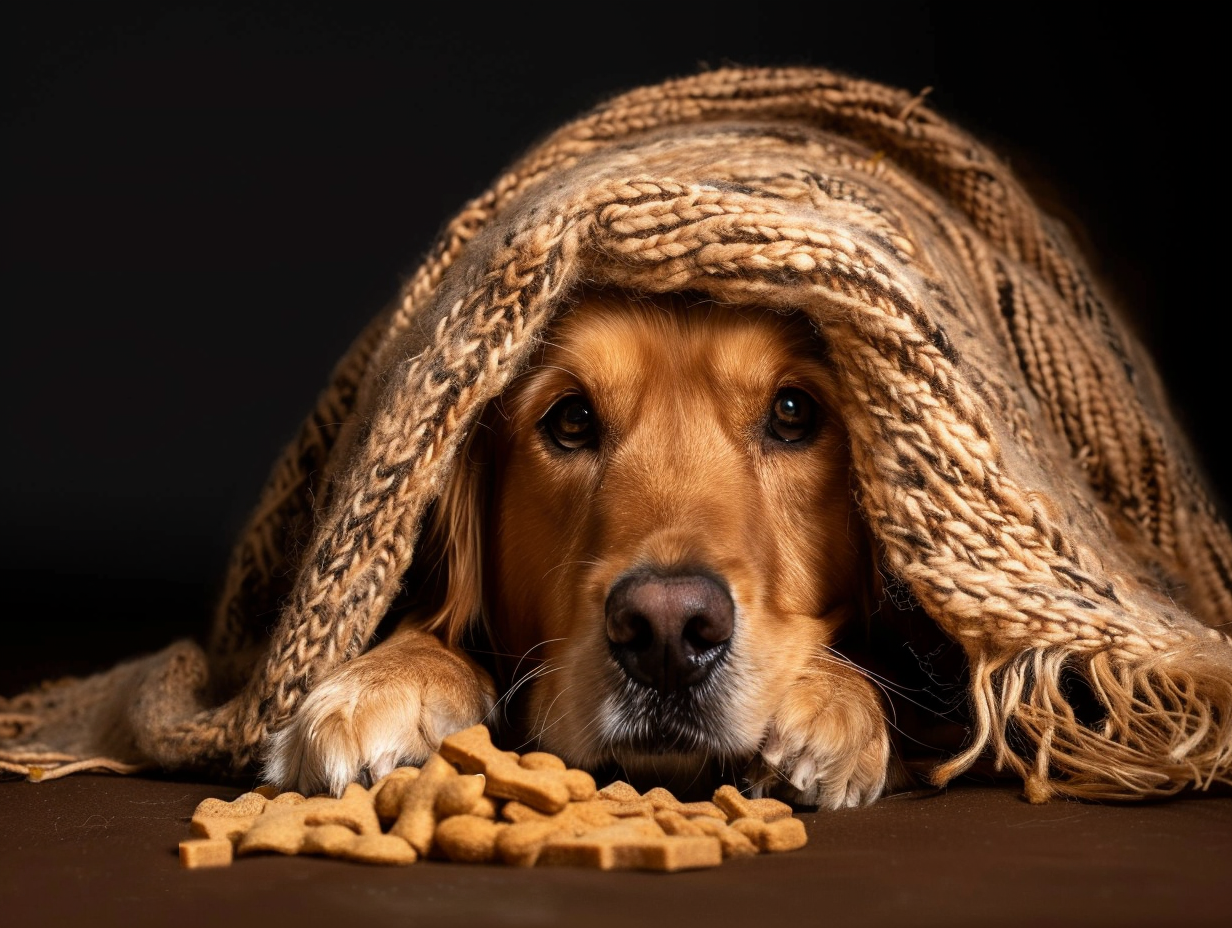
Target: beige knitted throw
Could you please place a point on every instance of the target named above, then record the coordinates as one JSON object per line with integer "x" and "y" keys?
{"x": 1012, "y": 447}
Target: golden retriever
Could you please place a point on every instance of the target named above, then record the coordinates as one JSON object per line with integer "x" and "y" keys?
{"x": 653, "y": 537}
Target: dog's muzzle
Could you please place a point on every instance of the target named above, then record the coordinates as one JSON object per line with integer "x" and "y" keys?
{"x": 669, "y": 632}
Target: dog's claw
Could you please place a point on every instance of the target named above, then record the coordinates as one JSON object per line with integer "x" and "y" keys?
{"x": 827, "y": 753}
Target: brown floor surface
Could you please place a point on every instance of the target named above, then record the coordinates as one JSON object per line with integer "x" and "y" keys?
{"x": 101, "y": 851}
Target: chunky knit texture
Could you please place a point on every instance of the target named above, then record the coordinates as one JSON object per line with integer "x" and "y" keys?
{"x": 1013, "y": 449}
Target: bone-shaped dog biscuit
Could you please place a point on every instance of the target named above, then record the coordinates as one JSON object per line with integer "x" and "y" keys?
{"x": 416, "y": 821}
{"x": 340, "y": 841}
{"x": 540, "y": 760}
{"x": 736, "y": 806}
{"x": 274, "y": 834}
{"x": 247, "y": 804}
{"x": 435, "y": 793}
{"x": 785, "y": 834}
{"x": 547, "y": 790}
{"x": 215, "y": 819}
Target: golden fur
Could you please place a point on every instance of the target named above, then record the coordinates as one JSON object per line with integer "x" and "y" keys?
{"x": 680, "y": 474}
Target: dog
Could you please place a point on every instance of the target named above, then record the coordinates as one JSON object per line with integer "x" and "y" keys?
{"x": 653, "y": 536}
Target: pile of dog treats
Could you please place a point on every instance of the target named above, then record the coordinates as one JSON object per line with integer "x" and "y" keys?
{"x": 472, "y": 802}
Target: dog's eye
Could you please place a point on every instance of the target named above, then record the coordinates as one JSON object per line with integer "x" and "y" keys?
{"x": 571, "y": 423}
{"x": 793, "y": 416}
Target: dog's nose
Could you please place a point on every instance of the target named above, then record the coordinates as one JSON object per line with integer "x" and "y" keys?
{"x": 667, "y": 632}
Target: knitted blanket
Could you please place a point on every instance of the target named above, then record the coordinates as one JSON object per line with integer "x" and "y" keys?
{"x": 1012, "y": 447}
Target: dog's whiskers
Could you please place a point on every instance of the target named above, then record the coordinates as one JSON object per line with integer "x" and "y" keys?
{"x": 886, "y": 687}
{"x": 526, "y": 653}
{"x": 543, "y": 727}
{"x": 885, "y": 684}
{"x": 542, "y": 670}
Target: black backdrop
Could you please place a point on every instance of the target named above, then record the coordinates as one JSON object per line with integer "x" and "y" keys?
{"x": 201, "y": 208}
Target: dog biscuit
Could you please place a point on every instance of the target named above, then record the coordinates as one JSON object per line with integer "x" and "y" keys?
{"x": 736, "y": 806}
{"x": 280, "y": 832}
{"x": 486, "y": 807}
{"x": 387, "y": 792}
{"x": 519, "y": 844}
{"x": 619, "y": 791}
{"x": 673, "y": 823}
{"x": 221, "y": 820}
{"x": 541, "y": 760}
{"x": 416, "y": 822}
{"x": 244, "y": 805}
{"x": 634, "y": 844}
{"x": 340, "y": 841}
{"x": 581, "y": 785}
{"x": 380, "y": 849}
{"x": 206, "y": 852}
{"x": 622, "y": 800}
{"x": 785, "y": 834}
{"x": 221, "y": 827}
{"x": 353, "y": 809}
{"x": 472, "y": 750}
{"x": 459, "y": 796}
{"x": 468, "y": 839}
{"x": 331, "y": 840}
{"x": 216, "y": 819}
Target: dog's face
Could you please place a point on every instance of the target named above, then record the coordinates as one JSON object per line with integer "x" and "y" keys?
{"x": 656, "y": 524}
{"x": 672, "y": 538}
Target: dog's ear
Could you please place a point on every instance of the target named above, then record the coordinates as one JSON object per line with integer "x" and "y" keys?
{"x": 450, "y": 551}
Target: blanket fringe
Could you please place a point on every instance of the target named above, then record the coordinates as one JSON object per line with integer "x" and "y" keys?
{"x": 1166, "y": 725}
{"x": 39, "y": 773}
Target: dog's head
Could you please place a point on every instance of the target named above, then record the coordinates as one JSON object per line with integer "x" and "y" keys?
{"x": 657, "y": 524}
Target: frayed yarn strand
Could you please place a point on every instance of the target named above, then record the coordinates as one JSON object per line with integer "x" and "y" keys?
{"x": 1164, "y": 727}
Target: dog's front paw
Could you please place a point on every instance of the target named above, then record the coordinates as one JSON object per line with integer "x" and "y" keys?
{"x": 827, "y": 745}
{"x": 382, "y": 710}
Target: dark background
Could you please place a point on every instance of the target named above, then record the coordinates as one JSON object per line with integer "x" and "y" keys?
{"x": 201, "y": 209}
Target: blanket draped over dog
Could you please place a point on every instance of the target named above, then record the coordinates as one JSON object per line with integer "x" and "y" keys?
{"x": 1012, "y": 447}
